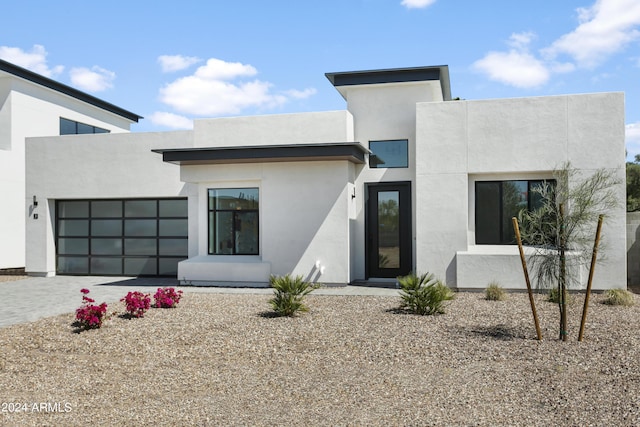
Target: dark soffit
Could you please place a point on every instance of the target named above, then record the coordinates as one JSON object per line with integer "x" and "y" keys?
{"x": 394, "y": 75}
{"x": 353, "y": 152}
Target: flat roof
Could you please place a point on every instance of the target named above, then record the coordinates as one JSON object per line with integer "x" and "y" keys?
{"x": 394, "y": 75}
{"x": 38, "y": 79}
{"x": 351, "y": 151}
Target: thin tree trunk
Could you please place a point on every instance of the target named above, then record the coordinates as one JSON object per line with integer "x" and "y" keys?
{"x": 562, "y": 296}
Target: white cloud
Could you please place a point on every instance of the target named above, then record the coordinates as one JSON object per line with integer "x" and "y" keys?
{"x": 604, "y": 29}
{"x": 170, "y": 63}
{"x": 301, "y": 94}
{"x": 221, "y": 88}
{"x": 35, "y": 60}
{"x": 632, "y": 139}
{"x": 95, "y": 79}
{"x": 170, "y": 120}
{"x": 517, "y": 67}
{"x": 417, "y": 4}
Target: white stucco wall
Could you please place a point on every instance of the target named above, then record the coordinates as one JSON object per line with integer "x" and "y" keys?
{"x": 303, "y": 221}
{"x": 464, "y": 141}
{"x": 276, "y": 129}
{"x": 384, "y": 112}
{"x": 29, "y": 110}
{"x": 93, "y": 167}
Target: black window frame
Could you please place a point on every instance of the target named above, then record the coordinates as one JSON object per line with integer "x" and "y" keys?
{"x": 77, "y": 126}
{"x": 504, "y": 238}
{"x": 212, "y": 210}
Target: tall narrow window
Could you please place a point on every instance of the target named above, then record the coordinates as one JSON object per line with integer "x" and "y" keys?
{"x": 233, "y": 221}
{"x": 499, "y": 201}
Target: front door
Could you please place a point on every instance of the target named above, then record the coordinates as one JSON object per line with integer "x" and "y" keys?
{"x": 388, "y": 224}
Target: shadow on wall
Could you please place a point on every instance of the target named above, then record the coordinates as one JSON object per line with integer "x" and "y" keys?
{"x": 633, "y": 249}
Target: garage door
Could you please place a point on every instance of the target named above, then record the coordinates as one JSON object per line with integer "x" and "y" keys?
{"x": 123, "y": 237}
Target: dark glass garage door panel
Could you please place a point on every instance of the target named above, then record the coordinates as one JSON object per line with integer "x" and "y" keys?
{"x": 106, "y": 246}
{"x": 175, "y": 247}
{"x": 73, "y": 265}
{"x": 172, "y": 208}
{"x": 73, "y": 227}
{"x": 73, "y": 209}
{"x": 73, "y": 246}
{"x": 140, "y": 208}
{"x": 173, "y": 227}
{"x": 140, "y": 266}
{"x": 140, "y": 247}
{"x": 107, "y": 266}
{"x": 106, "y": 227}
{"x": 106, "y": 208}
{"x": 121, "y": 237}
{"x": 168, "y": 266}
{"x": 140, "y": 227}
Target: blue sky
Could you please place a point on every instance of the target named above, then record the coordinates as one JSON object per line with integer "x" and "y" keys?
{"x": 173, "y": 61}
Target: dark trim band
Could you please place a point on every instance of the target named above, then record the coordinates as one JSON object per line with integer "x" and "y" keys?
{"x": 23, "y": 73}
{"x": 351, "y": 151}
{"x": 394, "y": 75}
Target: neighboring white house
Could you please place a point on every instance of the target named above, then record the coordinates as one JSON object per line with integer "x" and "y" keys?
{"x": 405, "y": 179}
{"x": 32, "y": 105}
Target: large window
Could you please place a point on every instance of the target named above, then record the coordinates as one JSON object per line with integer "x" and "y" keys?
{"x": 233, "y": 221}
{"x": 71, "y": 127}
{"x": 499, "y": 201}
{"x": 389, "y": 154}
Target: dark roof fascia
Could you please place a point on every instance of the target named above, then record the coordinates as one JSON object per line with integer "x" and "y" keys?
{"x": 353, "y": 152}
{"x": 394, "y": 75}
{"x": 67, "y": 90}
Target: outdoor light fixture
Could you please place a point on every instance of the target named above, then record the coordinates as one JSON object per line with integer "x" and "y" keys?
{"x": 35, "y": 201}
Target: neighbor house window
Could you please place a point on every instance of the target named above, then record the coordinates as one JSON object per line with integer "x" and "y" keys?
{"x": 233, "y": 221}
{"x": 389, "y": 154}
{"x": 499, "y": 201}
{"x": 71, "y": 127}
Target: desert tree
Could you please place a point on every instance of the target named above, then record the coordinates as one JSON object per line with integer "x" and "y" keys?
{"x": 561, "y": 230}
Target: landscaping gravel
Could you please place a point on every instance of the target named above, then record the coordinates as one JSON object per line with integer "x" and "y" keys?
{"x": 222, "y": 359}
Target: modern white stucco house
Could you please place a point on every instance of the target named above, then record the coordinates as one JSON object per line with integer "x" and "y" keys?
{"x": 32, "y": 105}
{"x": 405, "y": 179}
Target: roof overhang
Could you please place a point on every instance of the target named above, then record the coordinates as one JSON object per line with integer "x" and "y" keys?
{"x": 351, "y": 151}
{"x": 393, "y": 75}
{"x": 25, "y": 74}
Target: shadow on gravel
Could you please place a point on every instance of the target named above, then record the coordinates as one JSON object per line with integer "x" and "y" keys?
{"x": 398, "y": 310}
{"x": 159, "y": 282}
{"x": 269, "y": 314}
{"x": 499, "y": 332}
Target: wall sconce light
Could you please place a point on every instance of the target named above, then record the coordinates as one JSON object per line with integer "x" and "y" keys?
{"x": 35, "y": 201}
{"x": 353, "y": 196}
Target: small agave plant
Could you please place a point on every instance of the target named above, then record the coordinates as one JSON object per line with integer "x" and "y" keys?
{"x": 289, "y": 293}
{"x": 424, "y": 294}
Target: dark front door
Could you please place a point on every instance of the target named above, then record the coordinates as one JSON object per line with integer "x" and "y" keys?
{"x": 388, "y": 226}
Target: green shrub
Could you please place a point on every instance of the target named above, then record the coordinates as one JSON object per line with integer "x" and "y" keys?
{"x": 554, "y": 296}
{"x": 424, "y": 294}
{"x": 495, "y": 292}
{"x": 619, "y": 297}
{"x": 289, "y": 293}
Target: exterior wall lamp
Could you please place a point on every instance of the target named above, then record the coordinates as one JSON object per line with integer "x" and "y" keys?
{"x": 35, "y": 201}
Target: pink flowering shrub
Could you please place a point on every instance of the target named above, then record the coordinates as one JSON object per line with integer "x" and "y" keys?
{"x": 167, "y": 298}
{"x": 89, "y": 315}
{"x": 136, "y": 303}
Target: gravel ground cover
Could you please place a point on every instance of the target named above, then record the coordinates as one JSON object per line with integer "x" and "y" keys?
{"x": 220, "y": 359}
